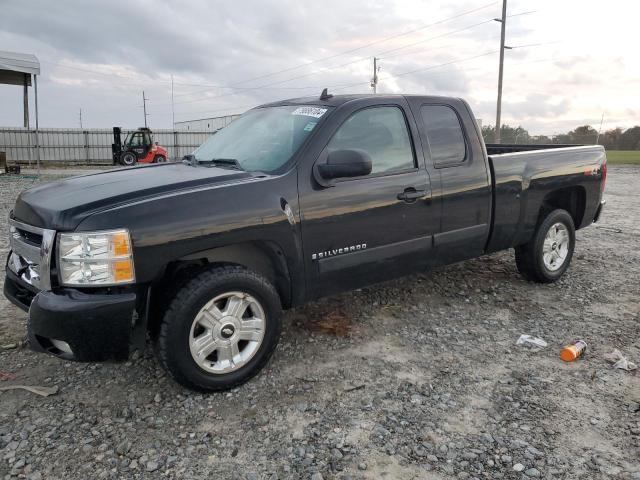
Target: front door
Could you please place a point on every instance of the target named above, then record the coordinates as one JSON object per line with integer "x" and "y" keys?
{"x": 367, "y": 229}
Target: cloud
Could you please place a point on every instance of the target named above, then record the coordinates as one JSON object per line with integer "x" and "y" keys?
{"x": 100, "y": 56}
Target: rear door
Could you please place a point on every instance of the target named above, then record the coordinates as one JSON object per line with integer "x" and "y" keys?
{"x": 367, "y": 229}
{"x": 454, "y": 151}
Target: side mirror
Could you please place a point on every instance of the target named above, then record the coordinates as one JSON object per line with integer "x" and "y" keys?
{"x": 345, "y": 163}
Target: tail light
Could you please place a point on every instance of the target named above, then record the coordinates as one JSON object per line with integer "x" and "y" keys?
{"x": 604, "y": 176}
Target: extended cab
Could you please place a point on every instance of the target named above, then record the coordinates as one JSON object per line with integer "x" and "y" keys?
{"x": 292, "y": 201}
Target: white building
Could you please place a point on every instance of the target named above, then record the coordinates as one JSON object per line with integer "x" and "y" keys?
{"x": 205, "y": 124}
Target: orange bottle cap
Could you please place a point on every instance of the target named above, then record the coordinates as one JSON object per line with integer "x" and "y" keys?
{"x": 569, "y": 353}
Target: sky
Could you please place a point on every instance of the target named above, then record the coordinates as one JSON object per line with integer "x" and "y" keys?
{"x": 572, "y": 62}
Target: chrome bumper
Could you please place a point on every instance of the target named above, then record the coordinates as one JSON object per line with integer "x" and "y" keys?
{"x": 31, "y": 251}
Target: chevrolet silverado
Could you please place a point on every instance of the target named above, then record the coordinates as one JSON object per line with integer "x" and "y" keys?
{"x": 293, "y": 201}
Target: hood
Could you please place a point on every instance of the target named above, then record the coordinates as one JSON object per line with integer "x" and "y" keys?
{"x": 62, "y": 205}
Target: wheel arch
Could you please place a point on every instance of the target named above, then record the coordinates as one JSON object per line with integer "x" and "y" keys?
{"x": 263, "y": 257}
{"x": 572, "y": 199}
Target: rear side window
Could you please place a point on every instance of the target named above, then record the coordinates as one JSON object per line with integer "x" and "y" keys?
{"x": 446, "y": 140}
{"x": 382, "y": 133}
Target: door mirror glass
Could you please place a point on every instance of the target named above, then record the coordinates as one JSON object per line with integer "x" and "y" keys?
{"x": 345, "y": 163}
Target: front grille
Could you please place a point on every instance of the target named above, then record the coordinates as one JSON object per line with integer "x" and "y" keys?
{"x": 31, "y": 250}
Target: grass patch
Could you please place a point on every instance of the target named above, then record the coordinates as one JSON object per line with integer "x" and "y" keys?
{"x": 621, "y": 157}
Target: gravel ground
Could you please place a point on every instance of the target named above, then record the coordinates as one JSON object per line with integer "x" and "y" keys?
{"x": 415, "y": 378}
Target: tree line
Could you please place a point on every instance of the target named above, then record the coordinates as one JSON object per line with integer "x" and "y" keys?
{"x": 614, "y": 139}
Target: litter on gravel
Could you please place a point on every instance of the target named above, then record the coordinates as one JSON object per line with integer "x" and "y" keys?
{"x": 619, "y": 360}
{"x": 42, "y": 391}
{"x": 531, "y": 341}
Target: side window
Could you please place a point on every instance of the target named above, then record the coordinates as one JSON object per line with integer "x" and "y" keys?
{"x": 136, "y": 140}
{"x": 446, "y": 140}
{"x": 382, "y": 133}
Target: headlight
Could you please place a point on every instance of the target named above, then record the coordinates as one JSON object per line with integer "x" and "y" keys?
{"x": 95, "y": 258}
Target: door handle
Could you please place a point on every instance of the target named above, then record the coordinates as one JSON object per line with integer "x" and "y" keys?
{"x": 411, "y": 194}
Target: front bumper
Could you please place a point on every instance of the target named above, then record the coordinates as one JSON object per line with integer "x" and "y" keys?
{"x": 74, "y": 325}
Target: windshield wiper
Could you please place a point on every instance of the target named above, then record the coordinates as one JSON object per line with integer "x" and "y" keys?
{"x": 214, "y": 162}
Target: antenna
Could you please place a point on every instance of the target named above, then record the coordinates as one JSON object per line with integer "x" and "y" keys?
{"x": 325, "y": 95}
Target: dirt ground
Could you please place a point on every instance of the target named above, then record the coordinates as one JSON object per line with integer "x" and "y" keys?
{"x": 416, "y": 378}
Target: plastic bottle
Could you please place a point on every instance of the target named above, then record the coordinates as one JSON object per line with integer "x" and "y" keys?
{"x": 574, "y": 350}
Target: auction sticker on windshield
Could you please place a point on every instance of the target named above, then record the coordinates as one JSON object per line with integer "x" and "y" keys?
{"x": 315, "y": 112}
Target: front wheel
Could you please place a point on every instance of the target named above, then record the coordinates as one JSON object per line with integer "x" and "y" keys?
{"x": 548, "y": 255}
{"x": 128, "y": 159}
{"x": 159, "y": 159}
{"x": 220, "y": 329}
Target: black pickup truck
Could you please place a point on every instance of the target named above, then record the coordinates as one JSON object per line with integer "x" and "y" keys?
{"x": 292, "y": 201}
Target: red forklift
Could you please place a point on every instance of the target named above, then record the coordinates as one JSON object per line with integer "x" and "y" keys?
{"x": 138, "y": 147}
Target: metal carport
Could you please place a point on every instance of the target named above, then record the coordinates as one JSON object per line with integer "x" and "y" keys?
{"x": 17, "y": 69}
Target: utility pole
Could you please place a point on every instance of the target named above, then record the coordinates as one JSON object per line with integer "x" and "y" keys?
{"x": 503, "y": 21}
{"x": 600, "y": 129}
{"x": 144, "y": 107}
{"x": 80, "y": 117}
{"x": 173, "y": 113}
{"x": 374, "y": 80}
{"x": 25, "y": 100}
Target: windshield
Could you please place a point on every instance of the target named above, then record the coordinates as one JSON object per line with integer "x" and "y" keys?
{"x": 263, "y": 139}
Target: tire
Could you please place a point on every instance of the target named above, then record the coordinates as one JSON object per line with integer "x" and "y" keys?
{"x": 159, "y": 159}
{"x": 548, "y": 255}
{"x": 192, "y": 324}
{"x": 128, "y": 159}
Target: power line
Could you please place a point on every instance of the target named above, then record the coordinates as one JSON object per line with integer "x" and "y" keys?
{"x": 443, "y": 64}
{"x": 444, "y": 35}
{"x": 387, "y": 75}
{"x": 340, "y": 87}
{"x": 376, "y": 42}
{"x": 430, "y": 50}
{"x": 390, "y": 75}
{"x": 468, "y": 27}
{"x": 326, "y": 69}
{"x": 234, "y": 86}
{"x": 346, "y": 52}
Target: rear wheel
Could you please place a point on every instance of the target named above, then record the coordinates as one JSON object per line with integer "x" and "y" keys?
{"x": 220, "y": 329}
{"x": 548, "y": 255}
{"x": 128, "y": 159}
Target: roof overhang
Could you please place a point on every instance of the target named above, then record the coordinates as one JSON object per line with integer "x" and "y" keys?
{"x": 15, "y": 68}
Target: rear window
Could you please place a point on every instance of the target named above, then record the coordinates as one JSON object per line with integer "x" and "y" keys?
{"x": 446, "y": 140}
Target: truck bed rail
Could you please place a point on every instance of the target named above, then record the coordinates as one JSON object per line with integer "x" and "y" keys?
{"x": 498, "y": 148}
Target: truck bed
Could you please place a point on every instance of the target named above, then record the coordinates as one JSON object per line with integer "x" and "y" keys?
{"x": 523, "y": 179}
